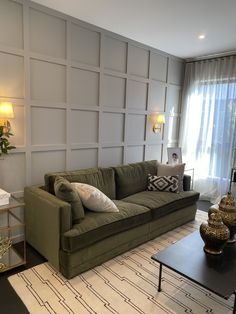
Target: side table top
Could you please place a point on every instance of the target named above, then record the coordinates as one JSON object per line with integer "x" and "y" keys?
{"x": 13, "y": 203}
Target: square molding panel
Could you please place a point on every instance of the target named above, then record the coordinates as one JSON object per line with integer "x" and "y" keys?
{"x": 153, "y": 152}
{"x": 112, "y": 127}
{"x": 11, "y": 24}
{"x": 138, "y": 61}
{"x": 46, "y": 161}
{"x": 47, "y": 34}
{"x": 48, "y": 126}
{"x": 83, "y": 158}
{"x": 114, "y": 54}
{"x": 135, "y": 128}
{"x": 111, "y": 156}
{"x": 157, "y": 97}
{"x": 85, "y": 45}
{"x": 134, "y": 154}
{"x": 84, "y": 87}
{"x": 83, "y": 126}
{"x": 175, "y": 72}
{"x": 113, "y": 91}
{"x": 158, "y": 67}
{"x": 48, "y": 81}
{"x": 137, "y": 95}
{"x": 11, "y": 75}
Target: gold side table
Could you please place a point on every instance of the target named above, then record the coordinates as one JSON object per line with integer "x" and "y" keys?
{"x": 12, "y": 235}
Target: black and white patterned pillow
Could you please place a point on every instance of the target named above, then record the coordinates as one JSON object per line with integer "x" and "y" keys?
{"x": 163, "y": 183}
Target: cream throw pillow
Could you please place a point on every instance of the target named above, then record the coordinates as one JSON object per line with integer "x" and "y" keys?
{"x": 94, "y": 199}
{"x": 172, "y": 170}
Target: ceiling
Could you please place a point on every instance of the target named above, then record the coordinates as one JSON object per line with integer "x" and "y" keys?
{"x": 172, "y": 26}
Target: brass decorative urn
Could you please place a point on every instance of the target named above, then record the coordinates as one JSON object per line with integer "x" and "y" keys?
{"x": 227, "y": 210}
{"x": 214, "y": 234}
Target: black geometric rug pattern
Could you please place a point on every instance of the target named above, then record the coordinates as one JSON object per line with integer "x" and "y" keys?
{"x": 125, "y": 284}
{"x": 163, "y": 183}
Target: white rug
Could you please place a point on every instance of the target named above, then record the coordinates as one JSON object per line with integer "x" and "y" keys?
{"x": 125, "y": 284}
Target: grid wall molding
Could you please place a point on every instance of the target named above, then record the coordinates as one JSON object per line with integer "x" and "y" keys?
{"x": 83, "y": 96}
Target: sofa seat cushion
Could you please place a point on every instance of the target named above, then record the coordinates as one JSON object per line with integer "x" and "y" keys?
{"x": 98, "y": 226}
{"x": 163, "y": 203}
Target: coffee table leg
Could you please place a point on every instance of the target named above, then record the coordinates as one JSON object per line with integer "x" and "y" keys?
{"x": 234, "y": 309}
{"x": 160, "y": 273}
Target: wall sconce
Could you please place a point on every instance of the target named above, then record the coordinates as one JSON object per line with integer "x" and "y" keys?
{"x": 160, "y": 120}
{"x": 6, "y": 112}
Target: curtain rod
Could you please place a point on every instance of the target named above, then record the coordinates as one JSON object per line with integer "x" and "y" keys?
{"x": 212, "y": 57}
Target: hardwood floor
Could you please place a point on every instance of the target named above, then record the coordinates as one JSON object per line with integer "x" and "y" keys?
{"x": 10, "y": 303}
{"x": 203, "y": 205}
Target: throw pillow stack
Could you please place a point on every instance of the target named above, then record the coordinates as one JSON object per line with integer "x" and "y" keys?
{"x": 80, "y": 195}
{"x": 169, "y": 178}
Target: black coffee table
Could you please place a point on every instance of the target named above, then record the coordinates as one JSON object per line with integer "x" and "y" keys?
{"x": 187, "y": 258}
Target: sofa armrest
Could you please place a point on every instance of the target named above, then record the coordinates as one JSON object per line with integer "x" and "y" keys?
{"x": 46, "y": 218}
{"x": 187, "y": 182}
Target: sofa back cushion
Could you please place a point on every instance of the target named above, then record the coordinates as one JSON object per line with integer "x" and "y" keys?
{"x": 102, "y": 178}
{"x": 133, "y": 178}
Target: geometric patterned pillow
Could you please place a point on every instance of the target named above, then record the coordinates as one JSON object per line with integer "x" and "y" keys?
{"x": 163, "y": 183}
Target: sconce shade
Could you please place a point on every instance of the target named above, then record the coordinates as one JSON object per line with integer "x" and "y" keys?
{"x": 161, "y": 119}
{"x": 6, "y": 110}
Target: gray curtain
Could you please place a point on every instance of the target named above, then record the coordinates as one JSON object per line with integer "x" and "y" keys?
{"x": 208, "y": 136}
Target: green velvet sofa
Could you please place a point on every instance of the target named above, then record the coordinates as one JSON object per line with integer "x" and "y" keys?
{"x": 143, "y": 215}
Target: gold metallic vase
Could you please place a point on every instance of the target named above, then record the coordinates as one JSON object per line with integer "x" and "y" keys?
{"x": 227, "y": 210}
{"x": 214, "y": 234}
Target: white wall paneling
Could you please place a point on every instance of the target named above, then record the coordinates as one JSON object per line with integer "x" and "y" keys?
{"x": 47, "y": 81}
{"x": 89, "y": 51}
{"x": 134, "y": 153}
{"x": 111, "y": 156}
{"x": 47, "y": 34}
{"x": 83, "y": 158}
{"x": 11, "y": 74}
{"x": 84, "y": 126}
{"x": 153, "y": 152}
{"x": 84, "y": 97}
{"x": 115, "y": 54}
{"x": 112, "y": 127}
{"x": 46, "y": 161}
{"x": 84, "y": 87}
{"x": 137, "y": 95}
{"x": 11, "y": 24}
{"x": 113, "y": 91}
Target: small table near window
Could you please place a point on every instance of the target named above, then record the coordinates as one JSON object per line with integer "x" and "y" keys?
{"x": 12, "y": 235}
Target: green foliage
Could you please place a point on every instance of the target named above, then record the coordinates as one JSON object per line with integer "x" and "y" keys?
{"x": 5, "y": 145}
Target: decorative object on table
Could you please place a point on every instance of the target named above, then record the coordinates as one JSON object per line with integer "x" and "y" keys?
{"x": 12, "y": 227}
{"x": 5, "y": 244}
{"x": 215, "y": 234}
{"x": 6, "y": 112}
{"x": 174, "y": 155}
{"x": 227, "y": 210}
{"x": 4, "y": 197}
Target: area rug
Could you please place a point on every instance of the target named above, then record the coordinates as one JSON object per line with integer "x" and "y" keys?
{"x": 125, "y": 284}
